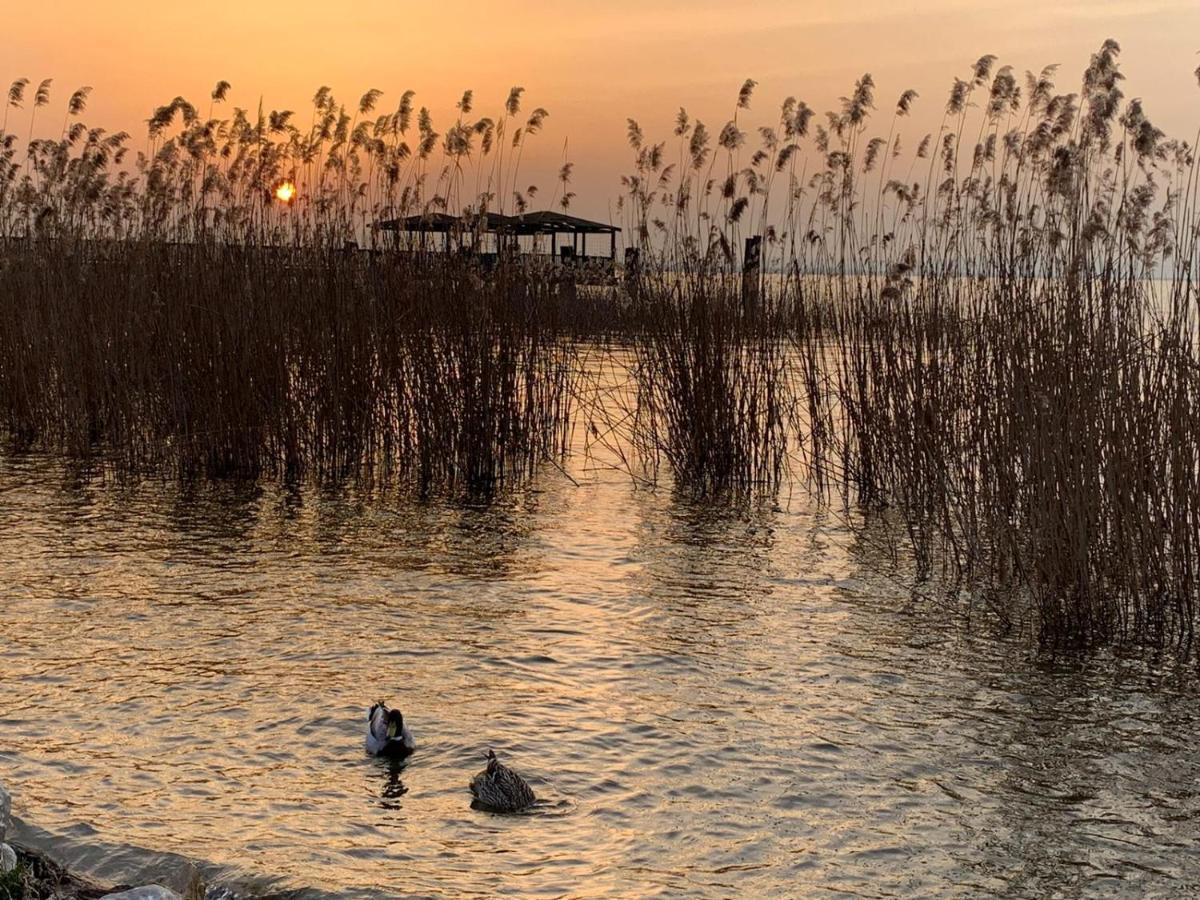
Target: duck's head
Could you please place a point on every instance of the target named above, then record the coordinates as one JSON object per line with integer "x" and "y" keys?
{"x": 492, "y": 762}
{"x": 374, "y": 706}
{"x": 395, "y": 723}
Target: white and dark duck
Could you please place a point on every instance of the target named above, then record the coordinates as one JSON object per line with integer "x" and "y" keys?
{"x": 387, "y": 735}
{"x": 499, "y": 789}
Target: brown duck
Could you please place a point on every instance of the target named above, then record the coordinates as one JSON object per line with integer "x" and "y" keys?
{"x": 499, "y": 789}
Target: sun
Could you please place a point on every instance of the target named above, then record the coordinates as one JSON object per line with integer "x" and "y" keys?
{"x": 286, "y": 192}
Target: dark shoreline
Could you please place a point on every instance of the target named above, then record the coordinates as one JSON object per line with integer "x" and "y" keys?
{"x": 54, "y": 866}
{"x": 45, "y": 878}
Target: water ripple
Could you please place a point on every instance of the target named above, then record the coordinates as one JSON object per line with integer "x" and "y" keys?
{"x": 709, "y": 701}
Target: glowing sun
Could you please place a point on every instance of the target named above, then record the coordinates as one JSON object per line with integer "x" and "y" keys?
{"x": 286, "y": 192}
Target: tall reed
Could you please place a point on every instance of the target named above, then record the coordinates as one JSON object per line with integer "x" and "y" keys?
{"x": 995, "y": 334}
{"x": 992, "y": 330}
{"x": 218, "y": 360}
{"x": 173, "y": 313}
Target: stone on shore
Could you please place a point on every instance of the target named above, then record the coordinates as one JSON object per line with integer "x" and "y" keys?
{"x": 149, "y": 892}
{"x": 8, "y": 858}
{"x": 5, "y": 811}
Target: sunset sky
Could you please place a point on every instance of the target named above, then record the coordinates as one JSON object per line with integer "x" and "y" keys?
{"x": 591, "y": 64}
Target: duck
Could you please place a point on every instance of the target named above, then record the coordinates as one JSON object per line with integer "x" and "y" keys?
{"x": 499, "y": 789}
{"x": 387, "y": 735}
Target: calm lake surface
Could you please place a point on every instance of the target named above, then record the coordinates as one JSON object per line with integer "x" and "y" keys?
{"x": 710, "y": 701}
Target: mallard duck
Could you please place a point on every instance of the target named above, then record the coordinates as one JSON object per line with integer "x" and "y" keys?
{"x": 499, "y": 789}
{"x": 387, "y": 735}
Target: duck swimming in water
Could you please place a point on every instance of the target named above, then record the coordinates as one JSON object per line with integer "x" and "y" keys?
{"x": 387, "y": 735}
{"x": 499, "y": 789}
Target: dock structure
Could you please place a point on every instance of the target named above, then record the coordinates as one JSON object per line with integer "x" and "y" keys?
{"x": 492, "y": 235}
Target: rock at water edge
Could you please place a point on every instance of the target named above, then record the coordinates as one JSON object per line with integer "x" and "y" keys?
{"x": 5, "y": 811}
{"x": 149, "y": 892}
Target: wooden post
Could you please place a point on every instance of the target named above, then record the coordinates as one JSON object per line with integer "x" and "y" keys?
{"x": 633, "y": 272}
{"x": 566, "y": 278}
{"x": 752, "y": 273}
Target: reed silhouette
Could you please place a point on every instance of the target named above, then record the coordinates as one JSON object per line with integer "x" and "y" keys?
{"x": 174, "y": 313}
{"x": 993, "y": 334}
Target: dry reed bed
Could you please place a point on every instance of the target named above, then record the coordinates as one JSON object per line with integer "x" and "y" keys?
{"x": 994, "y": 333}
{"x": 165, "y": 311}
{"x": 999, "y": 342}
{"x": 238, "y": 361}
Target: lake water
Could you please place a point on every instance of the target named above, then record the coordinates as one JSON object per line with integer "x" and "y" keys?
{"x": 710, "y": 701}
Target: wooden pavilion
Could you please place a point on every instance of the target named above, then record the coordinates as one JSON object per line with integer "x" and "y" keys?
{"x": 568, "y": 236}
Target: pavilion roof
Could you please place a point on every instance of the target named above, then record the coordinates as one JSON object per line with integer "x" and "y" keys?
{"x": 544, "y": 222}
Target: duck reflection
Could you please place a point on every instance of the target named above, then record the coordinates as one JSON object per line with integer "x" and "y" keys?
{"x": 393, "y": 788}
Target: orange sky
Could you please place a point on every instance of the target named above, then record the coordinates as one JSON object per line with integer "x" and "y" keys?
{"x": 591, "y": 64}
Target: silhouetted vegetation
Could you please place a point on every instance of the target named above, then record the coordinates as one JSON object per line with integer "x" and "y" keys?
{"x": 177, "y": 315}
{"x": 994, "y": 332}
